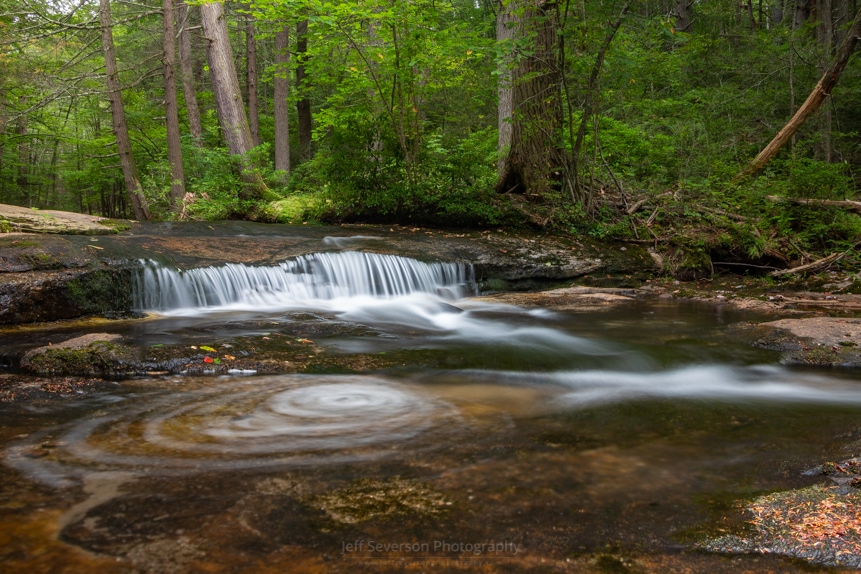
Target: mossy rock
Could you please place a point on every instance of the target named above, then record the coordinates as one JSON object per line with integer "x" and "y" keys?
{"x": 90, "y": 355}
{"x": 689, "y": 264}
{"x": 103, "y": 292}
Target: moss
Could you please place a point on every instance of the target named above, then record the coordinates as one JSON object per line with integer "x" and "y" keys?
{"x": 118, "y": 225}
{"x": 42, "y": 261}
{"x": 5, "y": 226}
{"x": 690, "y": 263}
{"x": 101, "y": 292}
{"x": 18, "y": 243}
{"x": 292, "y": 209}
{"x": 98, "y": 358}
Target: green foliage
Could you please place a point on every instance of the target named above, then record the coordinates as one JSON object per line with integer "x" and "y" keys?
{"x": 454, "y": 183}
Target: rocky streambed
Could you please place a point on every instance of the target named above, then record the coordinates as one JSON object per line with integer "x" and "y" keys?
{"x": 72, "y": 332}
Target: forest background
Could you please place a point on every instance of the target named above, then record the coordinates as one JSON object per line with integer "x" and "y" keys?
{"x": 630, "y": 120}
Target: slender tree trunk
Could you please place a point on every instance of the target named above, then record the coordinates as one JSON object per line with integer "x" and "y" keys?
{"x": 23, "y": 154}
{"x": 802, "y": 12}
{"x": 819, "y": 94}
{"x": 3, "y": 121}
{"x": 121, "y": 131}
{"x": 186, "y": 74}
{"x": 506, "y": 23}
{"x": 303, "y": 104}
{"x": 251, "y": 80}
{"x": 533, "y": 162}
{"x": 228, "y": 98}
{"x": 590, "y": 105}
{"x": 825, "y": 38}
{"x": 282, "y": 122}
{"x": 171, "y": 108}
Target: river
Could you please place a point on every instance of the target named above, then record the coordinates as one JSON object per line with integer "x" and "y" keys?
{"x": 494, "y": 437}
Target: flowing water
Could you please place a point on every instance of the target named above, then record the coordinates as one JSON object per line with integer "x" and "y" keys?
{"x": 495, "y": 437}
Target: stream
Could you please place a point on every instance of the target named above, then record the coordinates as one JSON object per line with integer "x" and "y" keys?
{"x": 496, "y": 437}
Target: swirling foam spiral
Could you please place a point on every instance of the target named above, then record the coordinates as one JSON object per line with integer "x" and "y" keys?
{"x": 255, "y": 422}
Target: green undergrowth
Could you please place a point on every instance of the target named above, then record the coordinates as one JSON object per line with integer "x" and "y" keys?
{"x": 751, "y": 228}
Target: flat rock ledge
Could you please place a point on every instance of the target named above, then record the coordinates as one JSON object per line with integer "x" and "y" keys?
{"x": 23, "y": 220}
{"x": 815, "y": 341}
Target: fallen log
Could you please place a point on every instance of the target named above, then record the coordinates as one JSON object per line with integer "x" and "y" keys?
{"x": 842, "y": 203}
{"x": 818, "y": 265}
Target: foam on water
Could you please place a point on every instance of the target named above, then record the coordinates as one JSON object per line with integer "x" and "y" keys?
{"x": 765, "y": 383}
{"x": 240, "y": 423}
{"x": 298, "y": 282}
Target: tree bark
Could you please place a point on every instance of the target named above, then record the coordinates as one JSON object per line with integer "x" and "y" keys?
{"x": 186, "y": 74}
{"x": 532, "y": 161}
{"x": 228, "y": 98}
{"x": 282, "y": 122}
{"x": 682, "y": 12}
{"x": 506, "y": 23}
{"x": 802, "y": 12}
{"x": 118, "y": 116}
{"x": 825, "y": 38}
{"x": 171, "y": 108}
{"x": 21, "y": 178}
{"x": 251, "y": 80}
{"x": 819, "y": 94}
{"x": 303, "y": 104}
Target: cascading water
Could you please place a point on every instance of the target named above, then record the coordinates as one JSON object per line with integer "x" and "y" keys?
{"x": 319, "y": 276}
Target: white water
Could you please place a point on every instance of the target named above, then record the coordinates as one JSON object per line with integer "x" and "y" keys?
{"x": 297, "y": 282}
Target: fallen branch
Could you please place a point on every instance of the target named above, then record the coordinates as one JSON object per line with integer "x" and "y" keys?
{"x": 727, "y": 214}
{"x": 744, "y": 265}
{"x": 636, "y": 206}
{"x": 843, "y": 203}
{"x": 646, "y": 241}
{"x": 818, "y": 265}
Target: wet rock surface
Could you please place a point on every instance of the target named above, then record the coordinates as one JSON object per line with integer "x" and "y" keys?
{"x": 47, "y": 277}
{"x": 812, "y": 341}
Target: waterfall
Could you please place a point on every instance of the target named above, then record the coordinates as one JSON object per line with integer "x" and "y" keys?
{"x": 318, "y": 276}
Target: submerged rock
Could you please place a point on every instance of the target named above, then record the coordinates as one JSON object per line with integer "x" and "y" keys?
{"x": 368, "y": 499}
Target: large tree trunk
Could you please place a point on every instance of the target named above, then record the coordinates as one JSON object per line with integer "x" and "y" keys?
{"x": 118, "y": 116}
{"x": 532, "y": 161}
{"x": 303, "y": 104}
{"x": 186, "y": 74}
{"x": 171, "y": 108}
{"x": 228, "y": 96}
{"x": 819, "y": 94}
{"x": 282, "y": 122}
{"x": 251, "y": 80}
